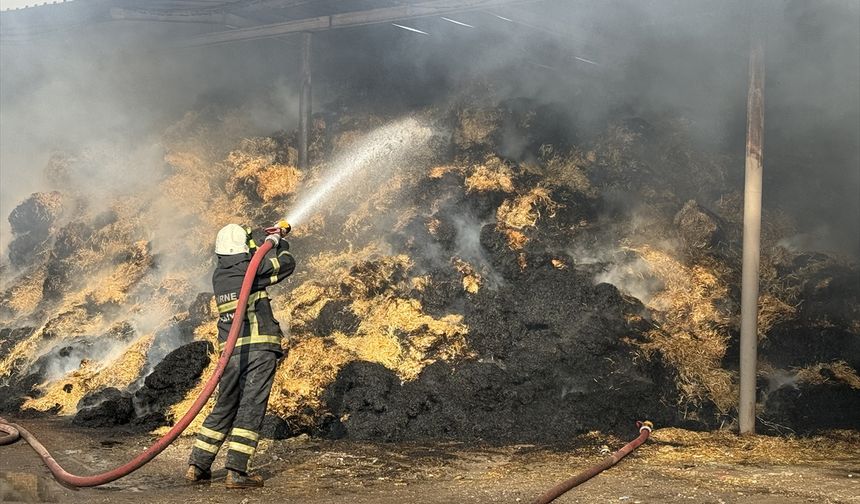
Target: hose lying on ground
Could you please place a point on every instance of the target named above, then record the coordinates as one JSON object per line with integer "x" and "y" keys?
{"x": 560, "y": 489}
{"x": 14, "y": 432}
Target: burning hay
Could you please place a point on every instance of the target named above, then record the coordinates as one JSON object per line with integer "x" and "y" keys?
{"x": 255, "y": 172}
{"x": 493, "y": 175}
{"x": 311, "y": 365}
{"x": 430, "y": 292}
{"x": 524, "y": 210}
{"x": 37, "y": 213}
{"x": 62, "y": 396}
{"x": 471, "y": 279}
{"x": 692, "y": 331}
{"x": 277, "y": 182}
{"x": 391, "y": 330}
{"x": 477, "y": 127}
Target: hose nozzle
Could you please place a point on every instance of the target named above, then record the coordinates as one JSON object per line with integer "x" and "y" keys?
{"x": 282, "y": 228}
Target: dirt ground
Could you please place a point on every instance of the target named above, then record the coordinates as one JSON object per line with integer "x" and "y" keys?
{"x": 314, "y": 471}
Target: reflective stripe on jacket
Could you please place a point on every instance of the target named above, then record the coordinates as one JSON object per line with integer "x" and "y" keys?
{"x": 260, "y": 331}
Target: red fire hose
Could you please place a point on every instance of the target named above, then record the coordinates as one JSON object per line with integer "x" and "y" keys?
{"x": 13, "y": 431}
{"x": 560, "y": 489}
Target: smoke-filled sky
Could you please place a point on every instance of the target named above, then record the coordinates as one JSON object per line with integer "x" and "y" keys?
{"x": 112, "y": 88}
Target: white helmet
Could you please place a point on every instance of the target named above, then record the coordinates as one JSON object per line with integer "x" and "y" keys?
{"x": 231, "y": 239}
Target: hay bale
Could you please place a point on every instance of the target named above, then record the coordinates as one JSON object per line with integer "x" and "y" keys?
{"x": 699, "y": 227}
{"x": 335, "y": 316}
{"x": 104, "y": 408}
{"x": 37, "y": 213}
{"x": 26, "y": 294}
{"x": 812, "y": 407}
{"x": 120, "y": 371}
{"x": 833, "y": 372}
{"x": 311, "y": 365}
{"x": 173, "y": 377}
{"x": 27, "y": 248}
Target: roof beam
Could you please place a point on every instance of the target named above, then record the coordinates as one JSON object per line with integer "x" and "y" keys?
{"x": 344, "y": 20}
{"x": 219, "y": 18}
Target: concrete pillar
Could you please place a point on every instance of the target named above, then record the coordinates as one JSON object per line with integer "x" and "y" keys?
{"x": 305, "y": 101}
{"x": 752, "y": 238}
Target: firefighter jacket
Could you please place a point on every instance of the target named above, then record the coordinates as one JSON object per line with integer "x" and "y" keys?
{"x": 260, "y": 331}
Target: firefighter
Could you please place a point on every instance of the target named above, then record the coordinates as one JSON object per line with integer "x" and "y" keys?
{"x": 243, "y": 391}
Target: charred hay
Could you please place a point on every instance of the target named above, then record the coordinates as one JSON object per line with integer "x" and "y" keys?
{"x": 174, "y": 375}
{"x": 104, "y": 408}
{"x": 460, "y": 298}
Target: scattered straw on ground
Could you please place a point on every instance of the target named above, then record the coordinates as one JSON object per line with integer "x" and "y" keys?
{"x": 672, "y": 446}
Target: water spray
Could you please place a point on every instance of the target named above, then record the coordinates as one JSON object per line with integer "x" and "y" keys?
{"x": 378, "y": 151}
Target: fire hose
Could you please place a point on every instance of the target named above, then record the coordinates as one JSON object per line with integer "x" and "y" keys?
{"x": 563, "y": 487}
{"x": 13, "y": 432}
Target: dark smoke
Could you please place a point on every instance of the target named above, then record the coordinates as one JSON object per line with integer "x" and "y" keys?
{"x": 113, "y": 87}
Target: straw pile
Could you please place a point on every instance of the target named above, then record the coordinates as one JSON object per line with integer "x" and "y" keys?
{"x": 692, "y": 328}
{"x": 492, "y": 175}
{"x": 477, "y": 127}
{"x": 63, "y": 395}
{"x": 822, "y": 373}
{"x": 524, "y": 210}
{"x": 390, "y": 274}
{"x": 393, "y": 330}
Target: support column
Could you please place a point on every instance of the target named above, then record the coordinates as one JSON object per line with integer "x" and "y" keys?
{"x": 752, "y": 237}
{"x": 305, "y": 101}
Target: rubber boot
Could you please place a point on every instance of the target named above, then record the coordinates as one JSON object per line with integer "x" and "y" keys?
{"x": 196, "y": 475}
{"x": 237, "y": 480}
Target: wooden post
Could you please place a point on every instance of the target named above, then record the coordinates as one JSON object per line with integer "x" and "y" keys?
{"x": 752, "y": 237}
{"x": 305, "y": 101}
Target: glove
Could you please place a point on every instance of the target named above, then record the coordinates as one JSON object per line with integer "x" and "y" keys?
{"x": 275, "y": 239}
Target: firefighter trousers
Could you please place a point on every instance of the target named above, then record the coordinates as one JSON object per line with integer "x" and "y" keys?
{"x": 243, "y": 394}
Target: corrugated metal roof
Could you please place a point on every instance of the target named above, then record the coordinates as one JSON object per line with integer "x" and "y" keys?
{"x": 222, "y": 15}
